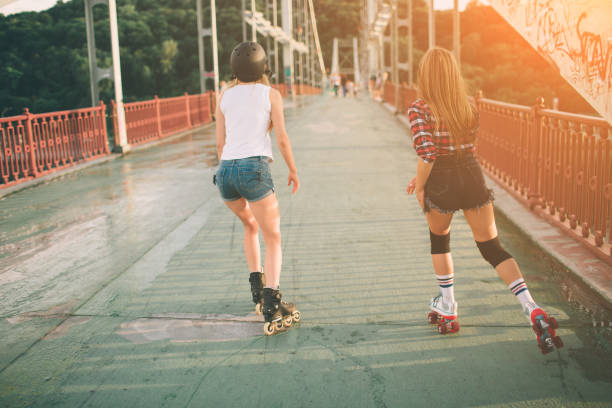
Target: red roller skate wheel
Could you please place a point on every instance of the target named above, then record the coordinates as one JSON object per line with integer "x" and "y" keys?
{"x": 442, "y": 329}
{"x": 432, "y": 317}
{"x": 454, "y": 326}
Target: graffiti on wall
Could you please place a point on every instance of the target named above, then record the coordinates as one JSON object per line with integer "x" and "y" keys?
{"x": 575, "y": 36}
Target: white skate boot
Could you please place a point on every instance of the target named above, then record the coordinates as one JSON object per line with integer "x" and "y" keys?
{"x": 443, "y": 314}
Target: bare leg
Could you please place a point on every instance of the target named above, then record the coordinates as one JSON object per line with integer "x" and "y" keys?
{"x": 241, "y": 208}
{"x": 482, "y": 223}
{"x": 267, "y": 214}
{"x": 439, "y": 224}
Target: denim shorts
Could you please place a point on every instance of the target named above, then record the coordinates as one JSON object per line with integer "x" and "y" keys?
{"x": 456, "y": 182}
{"x": 249, "y": 178}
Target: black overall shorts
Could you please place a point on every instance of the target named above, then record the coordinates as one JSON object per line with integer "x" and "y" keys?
{"x": 456, "y": 182}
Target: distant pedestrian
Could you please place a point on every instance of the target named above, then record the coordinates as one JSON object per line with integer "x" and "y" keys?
{"x": 350, "y": 88}
{"x": 247, "y": 110}
{"x": 343, "y": 81}
{"x": 444, "y": 126}
{"x": 377, "y": 87}
{"x": 335, "y": 82}
{"x": 372, "y": 84}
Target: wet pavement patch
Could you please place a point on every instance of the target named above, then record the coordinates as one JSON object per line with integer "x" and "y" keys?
{"x": 183, "y": 328}
{"x": 57, "y": 311}
{"x": 64, "y": 328}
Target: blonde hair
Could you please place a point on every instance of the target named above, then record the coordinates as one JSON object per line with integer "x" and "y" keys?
{"x": 440, "y": 84}
{"x": 263, "y": 80}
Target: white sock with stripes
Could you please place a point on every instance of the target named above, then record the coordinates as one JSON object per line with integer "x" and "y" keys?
{"x": 446, "y": 283}
{"x": 519, "y": 289}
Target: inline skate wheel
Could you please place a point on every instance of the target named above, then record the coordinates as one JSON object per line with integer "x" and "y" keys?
{"x": 287, "y": 321}
{"x": 432, "y": 317}
{"x": 553, "y": 323}
{"x": 454, "y": 327}
{"x": 258, "y": 309}
{"x": 442, "y": 329}
{"x": 557, "y": 342}
{"x": 296, "y": 316}
{"x": 269, "y": 328}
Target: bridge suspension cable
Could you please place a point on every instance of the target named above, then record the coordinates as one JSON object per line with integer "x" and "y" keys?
{"x": 315, "y": 32}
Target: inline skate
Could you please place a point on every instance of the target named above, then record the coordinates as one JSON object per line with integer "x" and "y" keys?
{"x": 257, "y": 285}
{"x": 443, "y": 315}
{"x": 544, "y": 328}
{"x": 279, "y": 315}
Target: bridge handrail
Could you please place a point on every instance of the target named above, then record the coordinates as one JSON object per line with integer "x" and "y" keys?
{"x": 156, "y": 118}
{"x": 505, "y": 105}
{"x": 37, "y": 144}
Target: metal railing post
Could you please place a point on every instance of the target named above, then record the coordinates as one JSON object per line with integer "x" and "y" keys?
{"x": 104, "y": 129}
{"x": 186, "y": 96}
{"x": 158, "y": 115}
{"x": 534, "y": 192}
{"x": 30, "y": 143}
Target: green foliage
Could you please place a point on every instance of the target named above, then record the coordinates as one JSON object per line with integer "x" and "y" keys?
{"x": 43, "y": 58}
{"x": 336, "y": 18}
{"x": 45, "y": 65}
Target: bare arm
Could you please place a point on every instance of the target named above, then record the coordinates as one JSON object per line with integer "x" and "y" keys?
{"x": 220, "y": 128}
{"x": 423, "y": 172}
{"x": 282, "y": 138}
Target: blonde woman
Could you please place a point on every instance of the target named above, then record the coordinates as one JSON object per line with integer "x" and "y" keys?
{"x": 444, "y": 126}
{"x": 246, "y": 111}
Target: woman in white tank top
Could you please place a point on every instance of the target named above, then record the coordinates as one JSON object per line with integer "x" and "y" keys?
{"x": 246, "y": 112}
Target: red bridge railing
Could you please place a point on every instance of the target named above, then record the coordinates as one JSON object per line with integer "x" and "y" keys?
{"x": 157, "y": 118}
{"x": 33, "y": 145}
{"x": 557, "y": 163}
{"x": 406, "y": 96}
{"x": 303, "y": 89}
{"x": 282, "y": 88}
{"x": 300, "y": 89}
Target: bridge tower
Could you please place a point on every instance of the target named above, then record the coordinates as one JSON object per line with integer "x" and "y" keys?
{"x": 345, "y": 58}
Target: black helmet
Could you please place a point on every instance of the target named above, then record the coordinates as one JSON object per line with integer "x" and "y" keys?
{"x": 248, "y": 61}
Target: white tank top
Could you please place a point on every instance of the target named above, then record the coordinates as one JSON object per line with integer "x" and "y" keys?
{"x": 247, "y": 117}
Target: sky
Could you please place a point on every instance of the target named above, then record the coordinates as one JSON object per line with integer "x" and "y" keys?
{"x": 25, "y": 5}
{"x": 9, "y": 7}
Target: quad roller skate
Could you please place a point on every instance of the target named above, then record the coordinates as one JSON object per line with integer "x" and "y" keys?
{"x": 279, "y": 315}
{"x": 443, "y": 315}
{"x": 544, "y": 328}
{"x": 257, "y": 285}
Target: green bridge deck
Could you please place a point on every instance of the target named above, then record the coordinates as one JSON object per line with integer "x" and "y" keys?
{"x": 124, "y": 285}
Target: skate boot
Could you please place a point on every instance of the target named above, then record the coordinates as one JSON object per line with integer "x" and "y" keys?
{"x": 444, "y": 315}
{"x": 257, "y": 284}
{"x": 279, "y": 315}
{"x": 544, "y": 328}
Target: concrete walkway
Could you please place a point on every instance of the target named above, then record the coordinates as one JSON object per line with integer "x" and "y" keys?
{"x": 125, "y": 285}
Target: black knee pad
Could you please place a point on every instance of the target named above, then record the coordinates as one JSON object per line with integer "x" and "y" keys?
{"x": 493, "y": 252}
{"x": 440, "y": 244}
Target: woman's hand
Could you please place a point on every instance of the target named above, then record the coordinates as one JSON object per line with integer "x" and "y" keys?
{"x": 411, "y": 186}
{"x": 293, "y": 178}
{"x": 420, "y": 193}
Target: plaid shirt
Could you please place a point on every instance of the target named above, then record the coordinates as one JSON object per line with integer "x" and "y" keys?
{"x": 428, "y": 142}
